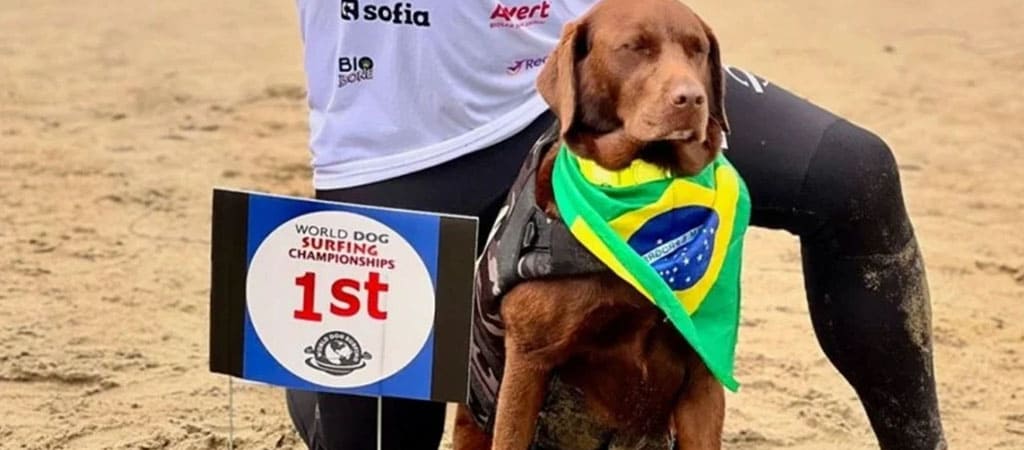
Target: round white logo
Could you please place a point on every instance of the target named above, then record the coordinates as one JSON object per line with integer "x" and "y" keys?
{"x": 339, "y": 299}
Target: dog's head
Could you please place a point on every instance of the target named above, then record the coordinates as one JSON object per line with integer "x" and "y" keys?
{"x": 648, "y": 72}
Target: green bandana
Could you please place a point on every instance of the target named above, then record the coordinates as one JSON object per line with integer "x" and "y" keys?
{"x": 679, "y": 241}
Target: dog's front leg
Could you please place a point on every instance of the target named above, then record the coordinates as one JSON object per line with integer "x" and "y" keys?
{"x": 700, "y": 411}
{"x": 520, "y": 398}
{"x": 542, "y": 322}
{"x": 467, "y": 434}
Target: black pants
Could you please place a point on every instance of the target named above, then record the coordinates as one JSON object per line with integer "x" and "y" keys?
{"x": 810, "y": 173}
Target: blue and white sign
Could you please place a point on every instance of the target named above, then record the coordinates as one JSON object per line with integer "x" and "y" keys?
{"x": 341, "y": 298}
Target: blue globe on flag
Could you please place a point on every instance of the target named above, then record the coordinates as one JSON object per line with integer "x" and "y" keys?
{"x": 678, "y": 244}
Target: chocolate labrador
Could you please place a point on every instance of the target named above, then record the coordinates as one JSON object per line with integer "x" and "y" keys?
{"x": 631, "y": 79}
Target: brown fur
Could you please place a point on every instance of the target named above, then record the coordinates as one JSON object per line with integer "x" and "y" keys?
{"x": 615, "y": 81}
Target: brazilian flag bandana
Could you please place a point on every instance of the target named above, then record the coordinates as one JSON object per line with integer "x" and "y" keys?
{"x": 677, "y": 240}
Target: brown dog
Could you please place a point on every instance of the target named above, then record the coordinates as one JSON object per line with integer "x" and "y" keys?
{"x": 631, "y": 79}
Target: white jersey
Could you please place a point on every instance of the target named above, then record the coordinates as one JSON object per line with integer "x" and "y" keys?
{"x": 400, "y": 86}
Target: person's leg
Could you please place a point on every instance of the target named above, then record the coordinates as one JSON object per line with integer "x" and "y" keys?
{"x": 474, "y": 185}
{"x": 837, "y": 186}
{"x": 348, "y": 422}
{"x": 302, "y": 409}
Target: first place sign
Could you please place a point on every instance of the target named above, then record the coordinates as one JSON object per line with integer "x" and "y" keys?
{"x": 341, "y": 298}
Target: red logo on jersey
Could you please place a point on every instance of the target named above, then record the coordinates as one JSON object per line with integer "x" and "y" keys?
{"x": 520, "y": 16}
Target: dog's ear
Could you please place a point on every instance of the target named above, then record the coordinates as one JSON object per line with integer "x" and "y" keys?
{"x": 716, "y": 104}
{"x": 557, "y": 79}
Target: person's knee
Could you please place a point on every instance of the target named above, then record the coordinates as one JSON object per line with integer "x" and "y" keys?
{"x": 853, "y": 187}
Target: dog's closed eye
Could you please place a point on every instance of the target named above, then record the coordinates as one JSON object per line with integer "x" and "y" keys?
{"x": 695, "y": 47}
{"x": 640, "y": 45}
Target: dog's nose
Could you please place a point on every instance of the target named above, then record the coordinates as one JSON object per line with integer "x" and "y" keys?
{"x": 687, "y": 95}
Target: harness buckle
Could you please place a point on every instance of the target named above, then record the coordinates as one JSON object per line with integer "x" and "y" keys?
{"x": 529, "y": 235}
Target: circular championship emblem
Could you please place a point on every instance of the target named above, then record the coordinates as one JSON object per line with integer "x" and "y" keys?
{"x": 339, "y": 299}
{"x": 337, "y": 353}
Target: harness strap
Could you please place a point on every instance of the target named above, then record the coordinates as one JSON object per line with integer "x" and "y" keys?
{"x": 525, "y": 244}
{"x": 551, "y": 250}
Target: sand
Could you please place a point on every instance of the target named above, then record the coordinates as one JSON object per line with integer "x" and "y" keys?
{"x": 118, "y": 117}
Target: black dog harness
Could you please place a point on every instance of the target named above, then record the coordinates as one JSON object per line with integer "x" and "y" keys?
{"x": 524, "y": 244}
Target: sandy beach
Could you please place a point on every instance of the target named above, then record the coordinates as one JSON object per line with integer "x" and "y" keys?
{"x": 117, "y": 118}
